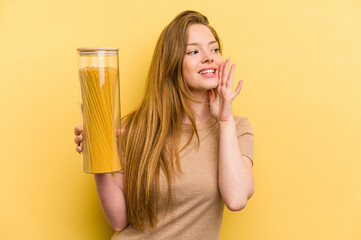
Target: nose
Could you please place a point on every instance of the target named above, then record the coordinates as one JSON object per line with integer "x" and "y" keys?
{"x": 207, "y": 58}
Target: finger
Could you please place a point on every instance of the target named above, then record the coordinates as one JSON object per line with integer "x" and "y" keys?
{"x": 225, "y": 71}
{"x": 78, "y": 130}
{"x": 78, "y": 139}
{"x": 79, "y": 149}
{"x": 238, "y": 89}
{"x": 220, "y": 72}
{"x": 120, "y": 131}
{"x": 211, "y": 95}
{"x": 229, "y": 82}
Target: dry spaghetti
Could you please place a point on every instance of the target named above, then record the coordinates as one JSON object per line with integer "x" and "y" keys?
{"x": 99, "y": 88}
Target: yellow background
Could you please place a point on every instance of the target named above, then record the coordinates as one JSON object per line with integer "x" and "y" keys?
{"x": 301, "y": 65}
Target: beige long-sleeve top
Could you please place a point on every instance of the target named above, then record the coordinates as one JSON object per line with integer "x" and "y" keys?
{"x": 198, "y": 205}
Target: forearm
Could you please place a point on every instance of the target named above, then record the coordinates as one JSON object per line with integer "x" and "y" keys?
{"x": 112, "y": 200}
{"x": 235, "y": 177}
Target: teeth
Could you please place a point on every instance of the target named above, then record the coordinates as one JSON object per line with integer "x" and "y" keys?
{"x": 207, "y": 72}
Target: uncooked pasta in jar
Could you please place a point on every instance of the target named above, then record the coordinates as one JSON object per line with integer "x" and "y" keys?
{"x": 98, "y": 90}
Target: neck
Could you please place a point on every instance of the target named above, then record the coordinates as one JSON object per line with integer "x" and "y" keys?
{"x": 201, "y": 109}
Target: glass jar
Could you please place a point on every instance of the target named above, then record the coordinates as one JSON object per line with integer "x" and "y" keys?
{"x": 101, "y": 118}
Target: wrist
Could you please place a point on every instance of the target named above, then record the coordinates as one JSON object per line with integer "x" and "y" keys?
{"x": 228, "y": 122}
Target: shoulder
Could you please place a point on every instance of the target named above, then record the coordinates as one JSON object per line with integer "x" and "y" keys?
{"x": 242, "y": 123}
{"x": 245, "y": 136}
{"x": 240, "y": 119}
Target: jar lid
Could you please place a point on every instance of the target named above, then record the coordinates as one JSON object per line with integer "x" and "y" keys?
{"x": 93, "y": 49}
{"x": 98, "y": 50}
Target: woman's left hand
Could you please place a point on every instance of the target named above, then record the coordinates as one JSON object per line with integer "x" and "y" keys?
{"x": 221, "y": 106}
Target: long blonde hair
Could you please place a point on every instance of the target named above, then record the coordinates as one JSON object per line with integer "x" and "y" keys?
{"x": 152, "y": 132}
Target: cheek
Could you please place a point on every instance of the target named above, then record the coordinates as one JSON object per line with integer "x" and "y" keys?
{"x": 188, "y": 76}
{"x": 187, "y": 69}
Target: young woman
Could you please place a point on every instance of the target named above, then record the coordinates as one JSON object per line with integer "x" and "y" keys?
{"x": 184, "y": 154}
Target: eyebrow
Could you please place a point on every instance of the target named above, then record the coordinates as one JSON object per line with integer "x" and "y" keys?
{"x": 200, "y": 44}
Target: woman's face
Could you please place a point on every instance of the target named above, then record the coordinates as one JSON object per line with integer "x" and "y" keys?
{"x": 202, "y": 58}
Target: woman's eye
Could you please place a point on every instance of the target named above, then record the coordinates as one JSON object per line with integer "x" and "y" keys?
{"x": 216, "y": 50}
{"x": 192, "y": 52}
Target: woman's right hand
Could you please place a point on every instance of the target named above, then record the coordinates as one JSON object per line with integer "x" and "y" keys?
{"x": 78, "y": 138}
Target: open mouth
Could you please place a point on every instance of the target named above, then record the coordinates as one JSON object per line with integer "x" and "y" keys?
{"x": 208, "y": 71}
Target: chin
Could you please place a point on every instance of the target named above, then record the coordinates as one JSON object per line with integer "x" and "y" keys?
{"x": 205, "y": 85}
{"x": 213, "y": 84}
